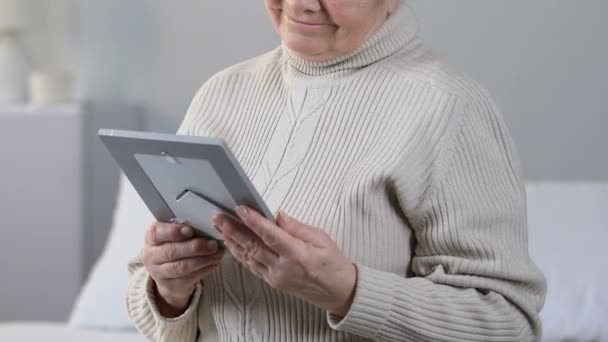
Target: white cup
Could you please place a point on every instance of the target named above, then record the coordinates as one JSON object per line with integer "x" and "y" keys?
{"x": 51, "y": 87}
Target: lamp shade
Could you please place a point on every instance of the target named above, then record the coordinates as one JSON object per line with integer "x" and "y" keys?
{"x": 15, "y": 15}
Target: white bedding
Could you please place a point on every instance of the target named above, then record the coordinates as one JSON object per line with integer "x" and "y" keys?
{"x": 42, "y": 332}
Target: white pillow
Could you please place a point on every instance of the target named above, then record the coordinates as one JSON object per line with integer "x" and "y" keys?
{"x": 568, "y": 231}
{"x": 101, "y": 303}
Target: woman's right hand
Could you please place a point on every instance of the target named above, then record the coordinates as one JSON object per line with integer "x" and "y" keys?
{"x": 177, "y": 260}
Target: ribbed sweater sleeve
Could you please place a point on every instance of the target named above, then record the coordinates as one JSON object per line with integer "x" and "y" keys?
{"x": 474, "y": 278}
{"x": 145, "y": 315}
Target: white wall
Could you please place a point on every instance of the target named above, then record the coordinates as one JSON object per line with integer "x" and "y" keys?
{"x": 157, "y": 53}
{"x": 543, "y": 60}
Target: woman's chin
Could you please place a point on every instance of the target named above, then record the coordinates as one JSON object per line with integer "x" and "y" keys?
{"x": 309, "y": 49}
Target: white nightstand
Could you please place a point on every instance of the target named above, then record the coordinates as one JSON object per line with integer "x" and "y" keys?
{"x": 41, "y": 211}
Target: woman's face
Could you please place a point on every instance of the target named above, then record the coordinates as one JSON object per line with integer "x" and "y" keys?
{"x": 322, "y": 29}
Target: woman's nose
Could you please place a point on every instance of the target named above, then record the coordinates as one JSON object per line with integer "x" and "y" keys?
{"x": 304, "y": 5}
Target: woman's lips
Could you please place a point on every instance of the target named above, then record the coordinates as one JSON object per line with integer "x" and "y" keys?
{"x": 307, "y": 26}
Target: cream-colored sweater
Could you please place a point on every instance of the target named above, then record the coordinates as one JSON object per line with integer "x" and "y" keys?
{"x": 406, "y": 162}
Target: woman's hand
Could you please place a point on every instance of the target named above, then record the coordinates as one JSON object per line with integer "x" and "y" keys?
{"x": 301, "y": 260}
{"x": 176, "y": 261}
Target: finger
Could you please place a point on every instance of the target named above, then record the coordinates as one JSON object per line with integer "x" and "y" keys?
{"x": 240, "y": 252}
{"x": 299, "y": 230}
{"x": 233, "y": 247}
{"x": 174, "y": 251}
{"x": 251, "y": 244}
{"x": 181, "y": 268}
{"x": 254, "y": 266}
{"x": 272, "y": 235}
{"x": 177, "y": 284}
{"x": 198, "y": 274}
{"x": 160, "y": 233}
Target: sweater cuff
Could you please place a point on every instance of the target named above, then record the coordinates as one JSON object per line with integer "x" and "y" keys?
{"x": 147, "y": 318}
{"x": 374, "y": 297}
{"x": 185, "y": 316}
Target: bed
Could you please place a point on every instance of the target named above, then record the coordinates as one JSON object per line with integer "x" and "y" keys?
{"x": 568, "y": 231}
{"x": 24, "y": 331}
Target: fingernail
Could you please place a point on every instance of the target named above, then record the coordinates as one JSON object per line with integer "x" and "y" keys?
{"x": 219, "y": 220}
{"x": 242, "y": 211}
{"x": 186, "y": 231}
{"x": 218, "y": 228}
{"x": 212, "y": 244}
{"x": 284, "y": 217}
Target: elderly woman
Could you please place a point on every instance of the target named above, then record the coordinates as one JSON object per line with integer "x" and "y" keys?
{"x": 401, "y": 207}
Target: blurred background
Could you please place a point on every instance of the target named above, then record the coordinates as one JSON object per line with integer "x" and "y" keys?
{"x": 136, "y": 64}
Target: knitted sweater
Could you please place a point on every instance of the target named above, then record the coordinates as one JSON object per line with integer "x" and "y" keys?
{"x": 405, "y": 162}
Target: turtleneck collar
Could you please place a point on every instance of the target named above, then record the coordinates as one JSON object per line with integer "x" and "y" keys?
{"x": 399, "y": 29}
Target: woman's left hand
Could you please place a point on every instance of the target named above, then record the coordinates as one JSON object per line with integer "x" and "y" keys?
{"x": 301, "y": 260}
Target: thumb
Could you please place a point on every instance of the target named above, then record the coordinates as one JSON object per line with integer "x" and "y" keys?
{"x": 298, "y": 229}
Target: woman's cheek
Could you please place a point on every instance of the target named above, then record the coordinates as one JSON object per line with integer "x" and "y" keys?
{"x": 348, "y": 11}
